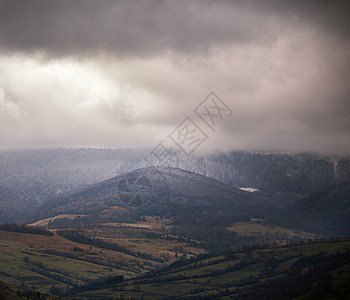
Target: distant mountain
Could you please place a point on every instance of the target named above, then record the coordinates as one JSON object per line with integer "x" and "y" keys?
{"x": 197, "y": 206}
{"x": 325, "y": 211}
{"x": 163, "y": 191}
{"x": 195, "y": 202}
{"x": 30, "y": 177}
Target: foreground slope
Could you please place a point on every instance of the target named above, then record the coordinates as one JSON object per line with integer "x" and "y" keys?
{"x": 41, "y": 262}
{"x": 11, "y": 292}
{"x": 313, "y": 270}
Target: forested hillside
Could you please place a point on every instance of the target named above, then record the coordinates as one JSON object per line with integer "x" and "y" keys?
{"x": 29, "y": 177}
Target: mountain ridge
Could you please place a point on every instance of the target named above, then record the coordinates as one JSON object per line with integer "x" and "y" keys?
{"x": 169, "y": 183}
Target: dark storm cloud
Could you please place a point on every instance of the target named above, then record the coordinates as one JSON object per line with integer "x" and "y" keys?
{"x": 81, "y": 27}
{"x": 123, "y": 27}
{"x": 330, "y": 15}
{"x": 124, "y": 73}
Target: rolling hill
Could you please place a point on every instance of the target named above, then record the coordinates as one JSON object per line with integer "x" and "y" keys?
{"x": 41, "y": 262}
{"x": 196, "y": 208}
{"x": 318, "y": 270}
{"x": 164, "y": 190}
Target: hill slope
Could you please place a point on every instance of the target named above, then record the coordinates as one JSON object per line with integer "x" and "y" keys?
{"x": 196, "y": 207}
{"x": 166, "y": 192}
{"x": 312, "y": 271}
{"x": 163, "y": 190}
{"x": 40, "y": 262}
{"x": 325, "y": 211}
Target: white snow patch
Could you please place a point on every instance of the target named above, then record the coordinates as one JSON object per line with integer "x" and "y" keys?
{"x": 248, "y": 189}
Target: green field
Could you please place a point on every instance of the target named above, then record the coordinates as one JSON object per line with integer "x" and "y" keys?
{"x": 287, "y": 272}
{"x": 260, "y": 228}
{"x": 61, "y": 265}
{"x": 41, "y": 262}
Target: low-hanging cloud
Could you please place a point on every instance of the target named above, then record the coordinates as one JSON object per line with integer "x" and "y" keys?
{"x": 125, "y": 73}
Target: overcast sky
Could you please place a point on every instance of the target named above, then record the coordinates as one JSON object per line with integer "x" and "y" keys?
{"x": 126, "y": 73}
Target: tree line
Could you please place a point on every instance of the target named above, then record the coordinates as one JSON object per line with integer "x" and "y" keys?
{"x": 21, "y": 228}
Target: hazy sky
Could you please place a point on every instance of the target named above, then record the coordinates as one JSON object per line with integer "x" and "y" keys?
{"x": 126, "y": 73}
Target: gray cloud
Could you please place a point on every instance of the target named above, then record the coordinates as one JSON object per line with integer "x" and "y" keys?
{"x": 84, "y": 27}
{"x": 124, "y": 73}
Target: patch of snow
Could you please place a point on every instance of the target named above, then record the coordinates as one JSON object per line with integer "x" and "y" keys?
{"x": 248, "y": 189}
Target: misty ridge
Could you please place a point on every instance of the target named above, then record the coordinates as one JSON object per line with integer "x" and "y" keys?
{"x": 31, "y": 177}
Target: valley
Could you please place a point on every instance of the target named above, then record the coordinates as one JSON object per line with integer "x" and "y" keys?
{"x": 164, "y": 232}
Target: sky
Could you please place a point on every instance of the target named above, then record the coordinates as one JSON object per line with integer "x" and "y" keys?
{"x": 116, "y": 74}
